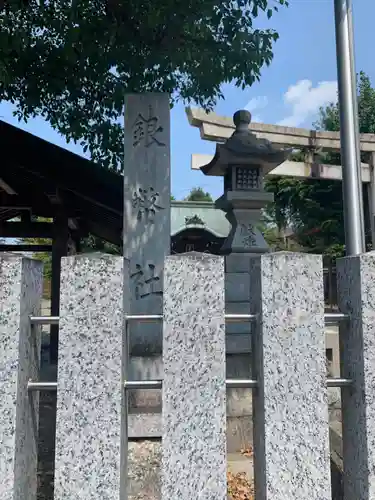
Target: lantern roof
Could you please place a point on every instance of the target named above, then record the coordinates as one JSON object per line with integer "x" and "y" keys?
{"x": 243, "y": 149}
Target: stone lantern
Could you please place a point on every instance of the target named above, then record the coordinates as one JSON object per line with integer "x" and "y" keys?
{"x": 243, "y": 160}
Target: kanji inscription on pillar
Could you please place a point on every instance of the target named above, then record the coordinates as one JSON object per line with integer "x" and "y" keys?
{"x": 147, "y": 131}
{"x": 146, "y": 202}
{"x": 147, "y": 193}
{"x": 248, "y": 235}
{"x": 146, "y": 282}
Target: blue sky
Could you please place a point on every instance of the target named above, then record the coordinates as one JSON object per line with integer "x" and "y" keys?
{"x": 301, "y": 78}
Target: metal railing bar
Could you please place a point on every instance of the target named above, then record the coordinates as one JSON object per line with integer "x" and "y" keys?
{"x": 330, "y": 318}
{"x": 44, "y": 320}
{"x": 157, "y": 384}
{"x": 241, "y": 383}
{"x": 42, "y": 386}
{"x": 339, "y": 382}
{"x": 144, "y": 318}
{"x": 234, "y": 318}
{"x": 150, "y": 318}
{"x": 143, "y": 384}
{"x": 159, "y": 317}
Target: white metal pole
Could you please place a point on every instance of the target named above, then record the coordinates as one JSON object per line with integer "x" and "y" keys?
{"x": 349, "y": 130}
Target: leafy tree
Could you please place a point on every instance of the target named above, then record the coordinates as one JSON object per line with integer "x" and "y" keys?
{"x": 197, "y": 194}
{"x": 94, "y": 244}
{"x": 45, "y": 257}
{"x": 313, "y": 208}
{"x": 71, "y": 62}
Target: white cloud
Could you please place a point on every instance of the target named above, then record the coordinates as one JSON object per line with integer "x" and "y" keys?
{"x": 259, "y": 102}
{"x": 305, "y": 100}
{"x": 256, "y": 103}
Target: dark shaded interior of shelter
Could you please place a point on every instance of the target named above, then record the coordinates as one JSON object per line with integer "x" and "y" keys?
{"x": 74, "y": 196}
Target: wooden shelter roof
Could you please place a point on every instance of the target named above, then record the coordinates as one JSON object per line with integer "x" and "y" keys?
{"x": 40, "y": 178}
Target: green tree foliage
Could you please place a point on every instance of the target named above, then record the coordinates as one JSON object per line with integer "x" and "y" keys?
{"x": 71, "y": 61}
{"x": 279, "y": 240}
{"x": 94, "y": 244}
{"x": 313, "y": 208}
{"x": 45, "y": 257}
{"x": 198, "y": 194}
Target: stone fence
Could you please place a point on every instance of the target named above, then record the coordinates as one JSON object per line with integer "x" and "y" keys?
{"x": 95, "y": 379}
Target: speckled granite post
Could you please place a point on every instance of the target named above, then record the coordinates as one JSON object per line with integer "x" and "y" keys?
{"x": 290, "y": 407}
{"x": 194, "y": 420}
{"x": 356, "y": 297}
{"x": 20, "y": 297}
{"x": 89, "y": 400}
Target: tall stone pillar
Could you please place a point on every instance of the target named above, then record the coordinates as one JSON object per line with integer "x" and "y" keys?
{"x": 356, "y": 297}
{"x": 146, "y": 233}
{"x": 291, "y": 443}
{"x": 146, "y": 237}
{"x": 21, "y": 285}
{"x": 194, "y": 413}
{"x": 90, "y": 393}
{"x": 147, "y": 193}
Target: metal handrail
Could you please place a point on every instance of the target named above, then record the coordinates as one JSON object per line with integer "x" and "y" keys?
{"x": 236, "y": 318}
{"x": 144, "y": 318}
{"x": 44, "y": 320}
{"x": 158, "y": 384}
{"x": 150, "y": 318}
{"x": 334, "y": 318}
{"x": 42, "y": 386}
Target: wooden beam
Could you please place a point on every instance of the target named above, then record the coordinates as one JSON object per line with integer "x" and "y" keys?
{"x": 106, "y": 233}
{"x": 35, "y": 203}
{"x": 73, "y": 224}
{"x": 5, "y": 186}
{"x": 218, "y": 128}
{"x": 59, "y": 250}
{"x": 295, "y": 169}
{"x": 371, "y": 198}
{"x": 53, "y": 195}
{"x": 25, "y": 248}
{"x": 83, "y": 185}
{"x": 16, "y": 205}
{"x": 26, "y": 217}
{"x": 26, "y": 230}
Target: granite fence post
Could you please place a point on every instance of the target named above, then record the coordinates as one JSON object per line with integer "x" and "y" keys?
{"x": 356, "y": 297}
{"x": 90, "y": 379}
{"x": 291, "y": 440}
{"x": 21, "y": 281}
{"x": 194, "y": 409}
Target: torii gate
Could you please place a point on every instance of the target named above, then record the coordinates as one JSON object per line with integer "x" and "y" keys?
{"x": 217, "y": 128}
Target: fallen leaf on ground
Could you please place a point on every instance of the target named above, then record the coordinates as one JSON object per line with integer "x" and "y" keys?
{"x": 239, "y": 486}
